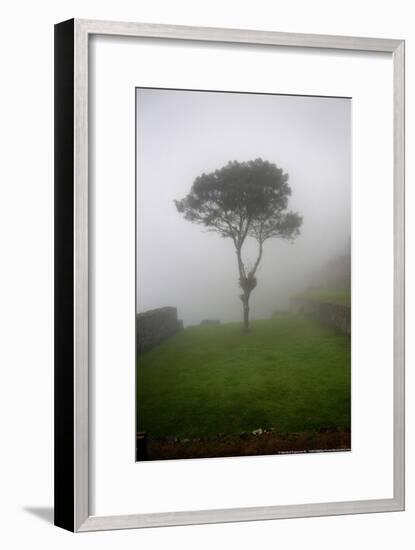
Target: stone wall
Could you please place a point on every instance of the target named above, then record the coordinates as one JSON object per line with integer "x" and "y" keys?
{"x": 334, "y": 315}
{"x": 155, "y": 325}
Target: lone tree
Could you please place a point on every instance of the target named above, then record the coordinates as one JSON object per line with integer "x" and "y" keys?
{"x": 243, "y": 199}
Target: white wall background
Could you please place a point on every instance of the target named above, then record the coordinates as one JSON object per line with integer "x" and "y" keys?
{"x": 26, "y": 296}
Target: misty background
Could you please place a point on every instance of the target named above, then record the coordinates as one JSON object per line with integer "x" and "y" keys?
{"x": 180, "y": 135}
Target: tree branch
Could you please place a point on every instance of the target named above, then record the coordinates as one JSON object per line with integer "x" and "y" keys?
{"x": 256, "y": 264}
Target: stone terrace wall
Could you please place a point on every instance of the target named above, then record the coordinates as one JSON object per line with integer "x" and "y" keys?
{"x": 154, "y": 326}
{"x": 335, "y": 315}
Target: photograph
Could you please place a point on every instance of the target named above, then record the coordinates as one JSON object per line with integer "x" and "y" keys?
{"x": 207, "y": 226}
{"x": 243, "y": 274}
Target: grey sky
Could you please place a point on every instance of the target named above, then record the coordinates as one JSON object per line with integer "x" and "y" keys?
{"x": 181, "y": 134}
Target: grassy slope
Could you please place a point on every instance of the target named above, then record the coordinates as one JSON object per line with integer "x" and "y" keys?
{"x": 289, "y": 373}
{"x": 339, "y": 297}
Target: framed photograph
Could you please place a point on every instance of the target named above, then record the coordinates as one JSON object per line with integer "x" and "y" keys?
{"x": 229, "y": 275}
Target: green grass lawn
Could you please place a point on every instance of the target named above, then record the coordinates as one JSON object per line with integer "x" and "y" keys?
{"x": 289, "y": 373}
{"x": 336, "y": 296}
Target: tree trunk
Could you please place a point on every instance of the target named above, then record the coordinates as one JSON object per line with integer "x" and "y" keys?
{"x": 245, "y": 304}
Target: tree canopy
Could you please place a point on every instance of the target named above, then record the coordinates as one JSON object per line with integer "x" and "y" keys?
{"x": 242, "y": 199}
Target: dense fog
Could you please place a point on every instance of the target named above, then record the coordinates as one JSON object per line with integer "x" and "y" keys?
{"x": 182, "y": 134}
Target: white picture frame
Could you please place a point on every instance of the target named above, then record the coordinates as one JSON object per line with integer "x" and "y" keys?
{"x": 72, "y": 254}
